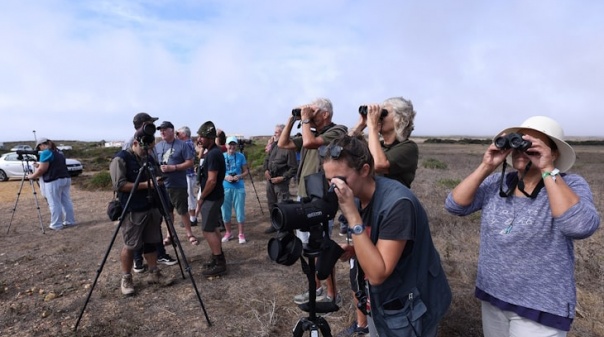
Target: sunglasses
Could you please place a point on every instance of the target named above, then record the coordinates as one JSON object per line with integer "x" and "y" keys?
{"x": 334, "y": 151}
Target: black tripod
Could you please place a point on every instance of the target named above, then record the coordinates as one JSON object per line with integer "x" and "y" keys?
{"x": 149, "y": 168}
{"x": 313, "y": 323}
{"x": 25, "y": 163}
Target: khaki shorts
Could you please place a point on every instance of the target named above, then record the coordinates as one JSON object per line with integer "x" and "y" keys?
{"x": 141, "y": 227}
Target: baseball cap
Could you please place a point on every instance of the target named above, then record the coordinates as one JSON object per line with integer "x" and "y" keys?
{"x": 142, "y": 117}
{"x": 165, "y": 125}
{"x": 232, "y": 139}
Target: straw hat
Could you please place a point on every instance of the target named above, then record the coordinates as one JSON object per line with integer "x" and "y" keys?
{"x": 554, "y": 131}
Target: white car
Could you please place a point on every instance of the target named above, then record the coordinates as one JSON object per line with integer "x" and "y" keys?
{"x": 14, "y": 166}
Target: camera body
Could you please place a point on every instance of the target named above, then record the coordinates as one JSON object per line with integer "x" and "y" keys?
{"x": 145, "y": 134}
{"x": 363, "y": 111}
{"x": 513, "y": 141}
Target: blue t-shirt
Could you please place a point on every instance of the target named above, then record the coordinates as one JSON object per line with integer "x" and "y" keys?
{"x": 234, "y": 166}
{"x": 172, "y": 154}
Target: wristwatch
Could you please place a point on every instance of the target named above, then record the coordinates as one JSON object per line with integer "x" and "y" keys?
{"x": 305, "y": 121}
{"x": 552, "y": 174}
{"x": 356, "y": 229}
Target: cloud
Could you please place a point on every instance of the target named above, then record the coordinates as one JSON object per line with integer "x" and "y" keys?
{"x": 82, "y": 70}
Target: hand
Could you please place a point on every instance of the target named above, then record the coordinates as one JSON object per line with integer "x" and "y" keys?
{"x": 345, "y": 199}
{"x": 373, "y": 120}
{"x": 267, "y": 175}
{"x": 277, "y": 180}
{"x": 165, "y": 168}
{"x": 348, "y": 252}
{"x": 540, "y": 154}
{"x": 494, "y": 156}
{"x": 307, "y": 112}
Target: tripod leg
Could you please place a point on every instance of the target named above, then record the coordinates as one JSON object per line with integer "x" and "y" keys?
{"x": 33, "y": 187}
{"x": 98, "y": 272}
{"x": 16, "y": 202}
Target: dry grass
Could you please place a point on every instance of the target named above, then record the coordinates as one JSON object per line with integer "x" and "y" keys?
{"x": 255, "y": 298}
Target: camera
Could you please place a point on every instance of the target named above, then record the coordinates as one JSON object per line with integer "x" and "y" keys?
{"x": 513, "y": 141}
{"x": 310, "y": 212}
{"x": 363, "y": 111}
{"x": 146, "y": 134}
{"x": 297, "y": 112}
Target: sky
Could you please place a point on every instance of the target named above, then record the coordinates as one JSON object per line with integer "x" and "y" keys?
{"x": 80, "y": 70}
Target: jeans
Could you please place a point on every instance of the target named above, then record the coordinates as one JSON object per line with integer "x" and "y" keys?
{"x": 59, "y": 201}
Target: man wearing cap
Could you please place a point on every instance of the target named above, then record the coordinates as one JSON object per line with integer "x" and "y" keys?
{"x": 234, "y": 189}
{"x": 184, "y": 134}
{"x": 175, "y": 157}
{"x": 139, "y": 120}
{"x": 211, "y": 197}
{"x": 57, "y": 184}
{"x": 280, "y": 165}
{"x": 530, "y": 218}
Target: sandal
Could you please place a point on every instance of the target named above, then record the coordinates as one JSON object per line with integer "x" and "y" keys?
{"x": 167, "y": 241}
{"x": 193, "y": 240}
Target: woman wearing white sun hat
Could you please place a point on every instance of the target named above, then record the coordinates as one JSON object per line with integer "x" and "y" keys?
{"x": 529, "y": 220}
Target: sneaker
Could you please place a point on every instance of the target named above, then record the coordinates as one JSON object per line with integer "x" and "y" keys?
{"x": 139, "y": 267}
{"x": 338, "y": 300}
{"x": 242, "y": 239}
{"x": 303, "y": 298}
{"x": 227, "y": 236}
{"x": 156, "y": 277}
{"x": 55, "y": 228}
{"x": 127, "y": 285}
{"x": 354, "y": 331}
{"x": 194, "y": 223}
{"x": 167, "y": 260}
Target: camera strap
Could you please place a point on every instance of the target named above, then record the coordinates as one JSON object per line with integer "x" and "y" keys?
{"x": 517, "y": 180}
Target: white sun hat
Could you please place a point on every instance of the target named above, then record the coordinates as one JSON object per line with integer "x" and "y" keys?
{"x": 554, "y": 131}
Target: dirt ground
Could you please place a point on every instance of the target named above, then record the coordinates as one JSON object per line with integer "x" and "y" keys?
{"x": 46, "y": 277}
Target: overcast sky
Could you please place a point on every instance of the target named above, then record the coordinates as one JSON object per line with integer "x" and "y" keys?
{"x": 80, "y": 70}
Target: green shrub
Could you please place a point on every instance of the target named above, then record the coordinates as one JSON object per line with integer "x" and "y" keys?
{"x": 432, "y": 163}
{"x": 100, "y": 180}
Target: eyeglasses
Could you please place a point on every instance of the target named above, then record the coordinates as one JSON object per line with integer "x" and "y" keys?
{"x": 334, "y": 151}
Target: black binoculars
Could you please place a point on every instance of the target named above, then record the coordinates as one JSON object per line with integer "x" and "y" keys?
{"x": 513, "y": 141}
{"x": 363, "y": 111}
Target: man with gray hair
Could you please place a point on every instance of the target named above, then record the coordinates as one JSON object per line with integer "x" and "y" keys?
{"x": 317, "y": 130}
{"x": 280, "y": 165}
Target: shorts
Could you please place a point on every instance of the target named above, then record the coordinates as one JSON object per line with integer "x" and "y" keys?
{"x": 234, "y": 197}
{"x": 211, "y": 217}
{"x": 141, "y": 227}
{"x": 179, "y": 199}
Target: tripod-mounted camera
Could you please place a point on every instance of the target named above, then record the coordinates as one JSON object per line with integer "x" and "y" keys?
{"x": 149, "y": 170}
{"x": 310, "y": 215}
{"x": 27, "y": 158}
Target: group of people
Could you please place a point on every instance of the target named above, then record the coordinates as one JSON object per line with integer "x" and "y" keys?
{"x": 530, "y": 216}
{"x": 167, "y": 183}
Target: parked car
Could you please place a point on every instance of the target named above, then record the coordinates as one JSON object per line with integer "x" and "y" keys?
{"x": 22, "y": 148}
{"x": 63, "y": 147}
{"x": 13, "y": 166}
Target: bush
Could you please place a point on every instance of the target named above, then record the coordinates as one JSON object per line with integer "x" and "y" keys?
{"x": 432, "y": 163}
{"x": 100, "y": 180}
